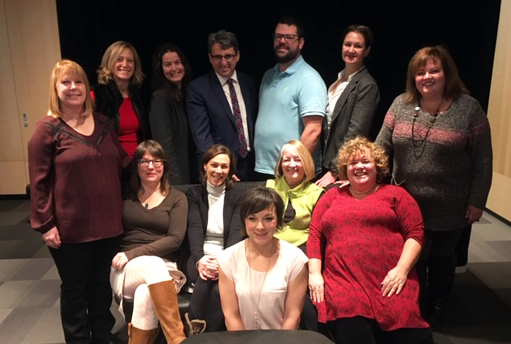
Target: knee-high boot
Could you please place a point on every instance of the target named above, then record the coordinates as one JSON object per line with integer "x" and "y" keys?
{"x": 164, "y": 299}
{"x": 441, "y": 277}
{"x": 139, "y": 336}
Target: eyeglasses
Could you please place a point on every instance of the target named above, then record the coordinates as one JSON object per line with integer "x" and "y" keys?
{"x": 146, "y": 162}
{"x": 227, "y": 57}
{"x": 289, "y": 38}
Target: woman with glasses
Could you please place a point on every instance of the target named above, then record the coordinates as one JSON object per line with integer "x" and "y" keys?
{"x": 145, "y": 270}
{"x": 352, "y": 100}
{"x": 214, "y": 224}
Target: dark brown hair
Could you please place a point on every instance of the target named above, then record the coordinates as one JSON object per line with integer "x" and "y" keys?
{"x": 154, "y": 148}
{"x": 159, "y": 79}
{"x": 257, "y": 199}
{"x": 213, "y": 151}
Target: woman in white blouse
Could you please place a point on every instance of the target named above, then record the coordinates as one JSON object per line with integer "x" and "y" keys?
{"x": 262, "y": 279}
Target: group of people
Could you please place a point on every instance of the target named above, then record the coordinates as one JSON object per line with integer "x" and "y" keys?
{"x": 324, "y": 240}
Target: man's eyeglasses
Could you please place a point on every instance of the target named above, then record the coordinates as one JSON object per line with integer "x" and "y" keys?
{"x": 227, "y": 57}
{"x": 146, "y": 162}
{"x": 289, "y": 38}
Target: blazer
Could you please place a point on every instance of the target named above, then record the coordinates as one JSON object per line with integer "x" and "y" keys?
{"x": 198, "y": 218}
{"x": 353, "y": 115}
{"x": 210, "y": 116}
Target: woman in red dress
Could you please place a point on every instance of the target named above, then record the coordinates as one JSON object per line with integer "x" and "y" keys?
{"x": 364, "y": 240}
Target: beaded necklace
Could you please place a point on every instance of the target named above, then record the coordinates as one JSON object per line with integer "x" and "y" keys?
{"x": 420, "y": 144}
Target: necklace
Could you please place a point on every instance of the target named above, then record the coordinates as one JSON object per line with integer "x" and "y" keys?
{"x": 420, "y": 144}
{"x": 257, "y": 319}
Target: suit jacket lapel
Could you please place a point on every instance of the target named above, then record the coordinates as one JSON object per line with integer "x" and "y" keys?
{"x": 220, "y": 95}
{"x": 344, "y": 96}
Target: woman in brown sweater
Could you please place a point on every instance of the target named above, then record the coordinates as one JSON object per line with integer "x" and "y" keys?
{"x": 145, "y": 270}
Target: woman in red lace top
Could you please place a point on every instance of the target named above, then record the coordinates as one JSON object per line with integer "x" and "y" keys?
{"x": 364, "y": 240}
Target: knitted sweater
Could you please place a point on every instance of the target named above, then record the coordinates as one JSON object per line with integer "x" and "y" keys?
{"x": 444, "y": 168}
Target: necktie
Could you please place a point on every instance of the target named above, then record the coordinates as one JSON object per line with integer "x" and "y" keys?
{"x": 237, "y": 117}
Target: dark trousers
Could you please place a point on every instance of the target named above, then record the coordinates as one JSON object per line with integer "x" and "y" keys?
{"x": 205, "y": 304}
{"x": 85, "y": 292}
{"x": 436, "y": 266}
{"x": 245, "y": 167}
{"x": 360, "y": 330}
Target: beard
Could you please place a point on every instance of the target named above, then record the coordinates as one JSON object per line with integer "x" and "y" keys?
{"x": 290, "y": 56}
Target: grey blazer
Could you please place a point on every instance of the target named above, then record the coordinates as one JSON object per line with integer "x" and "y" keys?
{"x": 353, "y": 115}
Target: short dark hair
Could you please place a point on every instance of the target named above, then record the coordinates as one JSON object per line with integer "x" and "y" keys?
{"x": 453, "y": 84}
{"x": 226, "y": 39}
{"x": 159, "y": 79}
{"x": 257, "y": 199}
{"x": 361, "y": 29}
{"x": 155, "y": 149}
{"x": 213, "y": 151}
{"x": 290, "y": 20}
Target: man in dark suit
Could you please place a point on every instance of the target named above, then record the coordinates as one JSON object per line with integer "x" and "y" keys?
{"x": 222, "y": 105}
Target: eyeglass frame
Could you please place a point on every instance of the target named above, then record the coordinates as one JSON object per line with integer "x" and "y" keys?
{"x": 277, "y": 37}
{"x": 227, "y": 57}
{"x": 156, "y": 162}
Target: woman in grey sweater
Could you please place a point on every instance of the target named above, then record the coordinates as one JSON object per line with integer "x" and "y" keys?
{"x": 439, "y": 138}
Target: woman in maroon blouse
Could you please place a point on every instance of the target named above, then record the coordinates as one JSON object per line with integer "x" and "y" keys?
{"x": 117, "y": 94}
{"x": 367, "y": 236}
{"x": 75, "y": 165}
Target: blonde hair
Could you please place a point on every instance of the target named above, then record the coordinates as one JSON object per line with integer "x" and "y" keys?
{"x": 305, "y": 156}
{"x": 361, "y": 144}
{"x": 77, "y": 72}
{"x": 105, "y": 70}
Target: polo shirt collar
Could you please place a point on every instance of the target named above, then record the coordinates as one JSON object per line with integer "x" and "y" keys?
{"x": 293, "y": 68}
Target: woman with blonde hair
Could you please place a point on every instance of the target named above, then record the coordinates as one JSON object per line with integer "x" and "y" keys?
{"x": 117, "y": 94}
{"x": 294, "y": 172}
{"x": 75, "y": 163}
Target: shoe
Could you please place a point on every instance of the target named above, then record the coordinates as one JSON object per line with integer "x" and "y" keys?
{"x": 164, "y": 298}
{"x": 195, "y": 326}
{"x": 138, "y": 336}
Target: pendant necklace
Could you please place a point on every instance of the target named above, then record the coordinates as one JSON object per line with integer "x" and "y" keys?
{"x": 421, "y": 143}
{"x": 257, "y": 318}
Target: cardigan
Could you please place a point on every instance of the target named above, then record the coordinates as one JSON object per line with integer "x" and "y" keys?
{"x": 198, "y": 218}
{"x": 303, "y": 199}
{"x": 108, "y": 100}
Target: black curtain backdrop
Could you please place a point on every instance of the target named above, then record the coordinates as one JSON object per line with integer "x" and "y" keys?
{"x": 467, "y": 27}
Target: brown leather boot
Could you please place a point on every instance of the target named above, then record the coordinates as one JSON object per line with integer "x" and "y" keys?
{"x": 138, "y": 336}
{"x": 166, "y": 308}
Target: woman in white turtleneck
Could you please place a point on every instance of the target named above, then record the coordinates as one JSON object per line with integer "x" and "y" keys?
{"x": 213, "y": 225}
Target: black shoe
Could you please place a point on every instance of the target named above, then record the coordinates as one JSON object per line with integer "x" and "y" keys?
{"x": 437, "y": 313}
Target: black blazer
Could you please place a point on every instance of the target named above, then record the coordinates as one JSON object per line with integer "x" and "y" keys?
{"x": 198, "y": 218}
{"x": 210, "y": 116}
{"x": 353, "y": 115}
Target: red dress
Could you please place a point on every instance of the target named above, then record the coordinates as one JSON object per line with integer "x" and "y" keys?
{"x": 363, "y": 242}
{"x": 129, "y": 125}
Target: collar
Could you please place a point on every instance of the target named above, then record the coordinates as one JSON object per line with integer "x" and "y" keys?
{"x": 291, "y": 69}
{"x": 223, "y": 80}
{"x": 342, "y": 72}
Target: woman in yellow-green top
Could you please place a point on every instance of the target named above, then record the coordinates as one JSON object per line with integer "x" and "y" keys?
{"x": 293, "y": 174}
{"x": 294, "y": 171}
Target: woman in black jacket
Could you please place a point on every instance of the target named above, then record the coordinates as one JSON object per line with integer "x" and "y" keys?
{"x": 118, "y": 97}
{"x": 213, "y": 224}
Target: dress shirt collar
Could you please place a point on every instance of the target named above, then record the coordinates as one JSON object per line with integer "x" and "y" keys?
{"x": 342, "y": 72}
{"x": 223, "y": 80}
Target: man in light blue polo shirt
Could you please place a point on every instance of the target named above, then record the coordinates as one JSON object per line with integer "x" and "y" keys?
{"x": 292, "y": 101}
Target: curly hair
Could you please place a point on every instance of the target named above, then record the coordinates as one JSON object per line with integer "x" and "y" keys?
{"x": 361, "y": 144}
